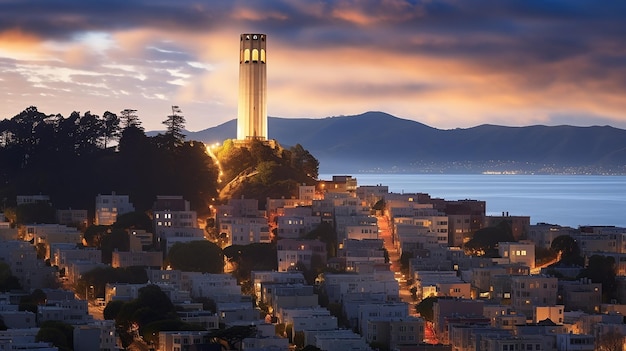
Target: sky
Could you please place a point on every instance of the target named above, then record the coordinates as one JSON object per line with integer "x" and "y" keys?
{"x": 445, "y": 63}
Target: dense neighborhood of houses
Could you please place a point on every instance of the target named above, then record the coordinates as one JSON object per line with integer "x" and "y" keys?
{"x": 364, "y": 300}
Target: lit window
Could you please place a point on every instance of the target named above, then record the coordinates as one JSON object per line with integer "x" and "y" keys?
{"x": 255, "y": 55}
{"x": 246, "y": 56}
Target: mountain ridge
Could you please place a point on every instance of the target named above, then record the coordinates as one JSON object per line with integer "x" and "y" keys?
{"x": 379, "y": 142}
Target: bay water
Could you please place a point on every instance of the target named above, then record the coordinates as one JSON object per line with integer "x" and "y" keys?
{"x": 568, "y": 200}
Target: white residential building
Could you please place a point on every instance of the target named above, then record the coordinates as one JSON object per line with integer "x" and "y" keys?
{"x": 271, "y": 343}
{"x": 542, "y": 234}
{"x": 291, "y": 252}
{"x": 409, "y": 209}
{"x": 172, "y": 212}
{"x": 359, "y": 225}
{"x": 23, "y": 339}
{"x": 18, "y": 319}
{"x": 518, "y": 252}
{"x": 309, "y": 323}
{"x": 152, "y": 259}
{"x": 337, "y": 340}
{"x": 97, "y": 335}
{"x": 339, "y": 285}
{"x": 368, "y": 312}
{"x": 429, "y": 231}
{"x": 261, "y": 277}
{"x": 362, "y": 232}
{"x": 68, "y": 311}
{"x": 244, "y": 230}
{"x": 31, "y": 272}
{"x": 179, "y": 340}
{"x": 74, "y": 218}
{"x": 49, "y": 234}
{"x": 533, "y": 290}
{"x": 207, "y": 319}
{"x": 231, "y": 313}
{"x": 162, "y": 276}
{"x": 287, "y": 315}
{"x": 358, "y": 251}
{"x": 575, "y": 342}
{"x": 32, "y": 199}
{"x": 371, "y": 194}
{"x": 281, "y": 296}
{"x": 294, "y": 221}
{"x": 62, "y": 255}
{"x": 108, "y": 207}
{"x": 239, "y": 208}
{"x": 121, "y": 291}
{"x": 394, "y": 331}
{"x": 218, "y": 287}
{"x": 306, "y": 193}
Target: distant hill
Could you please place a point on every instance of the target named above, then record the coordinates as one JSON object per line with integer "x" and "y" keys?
{"x": 379, "y": 142}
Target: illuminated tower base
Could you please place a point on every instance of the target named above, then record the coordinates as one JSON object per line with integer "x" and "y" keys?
{"x": 252, "y": 106}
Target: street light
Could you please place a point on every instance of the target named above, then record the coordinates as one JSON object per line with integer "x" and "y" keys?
{"x": 87, "y": 289}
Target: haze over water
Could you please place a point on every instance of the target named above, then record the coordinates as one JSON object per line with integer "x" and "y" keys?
{"x": 569, "y": 200}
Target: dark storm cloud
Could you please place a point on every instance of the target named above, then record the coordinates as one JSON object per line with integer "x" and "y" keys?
{"x": 63, "y": 18}
{"x": 545, "y": 30}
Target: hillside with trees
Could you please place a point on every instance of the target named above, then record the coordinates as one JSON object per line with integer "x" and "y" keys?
{"x": 259, "y": 170}
{"x": 73, "y": 159}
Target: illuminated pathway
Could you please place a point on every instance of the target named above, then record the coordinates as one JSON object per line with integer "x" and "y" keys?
{"x": 209, "y": 150}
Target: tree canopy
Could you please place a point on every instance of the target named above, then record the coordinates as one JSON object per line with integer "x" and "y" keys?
{"x": 99, "y": 277}
{"x": 602, "y": 269}
{"x": 32, "y": 144}
{"x": 251, "y": 257}
{"x": 152, "y": 305}
{"x": 175, "y": 124}
{"x": 259, "y": 170}
{"x": 327, "y": 234}
{"x": 567, "y": 247}
{"x": 58, "y": 333}
{"x": 196, "y": 256}
{"x": 425, "y": 308}
{"x": 485, "y": 240}
{"x": 7, "y": 280}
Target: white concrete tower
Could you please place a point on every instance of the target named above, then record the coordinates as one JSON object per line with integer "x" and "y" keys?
{"x": 252, "y": 107}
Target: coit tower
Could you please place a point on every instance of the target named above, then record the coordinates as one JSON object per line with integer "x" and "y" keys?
{"x": 252, "y": 106}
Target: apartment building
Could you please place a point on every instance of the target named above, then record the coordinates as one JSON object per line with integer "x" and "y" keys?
{"x": 533, "y": 290}
{"x": 518, "y": 252}
{"x": 108, "y": 207}
{"x": 290, "y": 252}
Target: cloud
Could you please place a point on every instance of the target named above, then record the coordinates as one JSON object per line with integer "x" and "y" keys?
{"x": 447, "y": 63}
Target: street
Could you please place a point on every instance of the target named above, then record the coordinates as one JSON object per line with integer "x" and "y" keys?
{"x": 384, "y": 232}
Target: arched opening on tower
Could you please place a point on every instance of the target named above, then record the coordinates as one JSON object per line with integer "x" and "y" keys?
{"x": 255, "y": 55}
{"x": 246, "y": 56}
{"x": 262, "y": 55}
